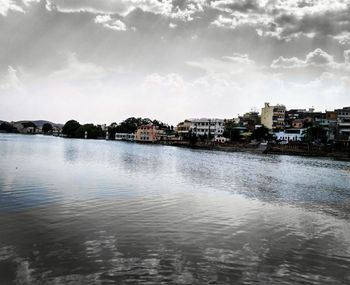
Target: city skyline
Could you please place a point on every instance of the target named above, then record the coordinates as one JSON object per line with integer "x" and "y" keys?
{"x": 169, "y": 60}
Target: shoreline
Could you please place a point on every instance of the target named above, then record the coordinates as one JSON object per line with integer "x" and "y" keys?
{"x": 253, "y": 149}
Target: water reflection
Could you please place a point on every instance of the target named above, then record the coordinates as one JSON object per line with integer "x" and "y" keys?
{"x": 96, "y": 212}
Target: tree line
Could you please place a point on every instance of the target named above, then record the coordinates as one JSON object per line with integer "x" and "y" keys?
{"x": 73, "y": 129}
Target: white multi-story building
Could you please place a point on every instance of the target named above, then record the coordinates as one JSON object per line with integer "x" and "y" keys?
{"x": 202, "y": 127}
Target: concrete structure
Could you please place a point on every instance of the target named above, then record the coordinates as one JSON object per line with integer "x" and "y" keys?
{"x": 124, "y": 137}
{"x": 290, "y": 135}
{"x": 147, "y": 133}
{"x": 272, "y": 117}
{"x": 344, "y": 130}
{"x": 204, "y": 126}
{"x": 297, "y": 124}
{"x": 343, "y": 114}
{"x": 250, "y": 120}
{"x": 183, "y": 129}
{"x": 331, "y": 115}
{"x": 221, "y": 139}
{"x": 201, "y": 127}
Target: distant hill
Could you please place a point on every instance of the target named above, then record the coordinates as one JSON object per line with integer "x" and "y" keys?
{"x": 38, "y": 123}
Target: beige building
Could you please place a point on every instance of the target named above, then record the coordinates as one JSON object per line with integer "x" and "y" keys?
{"x": 147, "y": 133}
{"x": 184, "y": 128}
{"x": 273, "y": 117}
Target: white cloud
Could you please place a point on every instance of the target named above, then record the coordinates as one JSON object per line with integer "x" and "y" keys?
{"x": 237, "y": 19}
{"x": 10, "y": 79}
{"x": 343, "y": 38}
{"x": 76, "y": 70}
{"x": 315, "y": 58}
{"x": 9, "y": 5}
{"x": 286, "y": 19}
{"x": 124, "y": 7}
{"x": 108, "y": 22}
{"x": 173, "y": 81}
{"x": 240, "y": 58}
{"x": 319, "y": 57}
{"x": 121, "y": 7}
{"x": 101, "y": 19}
{"x": 283, "y": 62}
{"x": 15, "y": 5}
{"x": 347, "y": 56}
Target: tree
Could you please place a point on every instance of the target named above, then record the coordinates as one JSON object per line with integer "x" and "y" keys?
{"x": 47, "y": 128}
{"x": 231, "y": 131}
{"x": 70, "y": 128}
{"x": 192, "y": 137}
{"x": 7, "y": 127}
{"x": 93, "y": 132}
{"x": 28, "y": 125}
{"x": 261, "y": 133}
{"x": 315, "y": 133}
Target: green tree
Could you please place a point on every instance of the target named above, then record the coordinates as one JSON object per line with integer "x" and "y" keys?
{"x": 261, "y": 133}
{"x": 47, "y": 128}
{"x": 315, "y": 134}
{"x": 70, "y": 128}
{"x": 229, "y": 128}
{"x": 7, "y": 127}
{"x": 192, "y": 137}
{"x": 231, "y": 132}
{"x": 93, "y": 132}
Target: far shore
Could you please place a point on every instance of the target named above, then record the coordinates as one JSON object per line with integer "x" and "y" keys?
{"x": 257, "y": 148}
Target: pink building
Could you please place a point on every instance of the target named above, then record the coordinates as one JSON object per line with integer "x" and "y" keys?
{"x": 147, "y": 133}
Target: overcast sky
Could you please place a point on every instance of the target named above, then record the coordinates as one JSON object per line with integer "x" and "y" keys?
{"x": 103, "y": 61}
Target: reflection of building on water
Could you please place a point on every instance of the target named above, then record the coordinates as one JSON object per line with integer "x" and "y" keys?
{"x": 124, "y": 137}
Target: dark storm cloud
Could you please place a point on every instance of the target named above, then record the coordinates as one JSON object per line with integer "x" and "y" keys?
{"x": 323, "y": 24}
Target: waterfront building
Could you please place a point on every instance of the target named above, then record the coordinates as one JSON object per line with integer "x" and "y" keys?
{"x": 343, "y": 114}
{"x": 273, "y": 117}
{"x": 297, "y": 124}
{"x": 331, "y": 115}
{"x": 208, "y": 127}
{"x": 124, "y": 137}
{"x": 344, "y": 130}
{"x": 201, "y": 127}
{"x": 148, "y": 133}
{"x": 250, "y": 120}
{"x": 183, "y": 129}
{"x": 289, "y": 135}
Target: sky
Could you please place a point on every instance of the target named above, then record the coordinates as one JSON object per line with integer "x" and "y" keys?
{"x": 104, "y": 61}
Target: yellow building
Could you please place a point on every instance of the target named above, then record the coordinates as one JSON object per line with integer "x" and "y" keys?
{"x": 273, "y": 117}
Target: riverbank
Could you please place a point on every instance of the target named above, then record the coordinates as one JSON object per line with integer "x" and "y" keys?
{"x": 268, "y": 148}
{"x": 294, "y": 149}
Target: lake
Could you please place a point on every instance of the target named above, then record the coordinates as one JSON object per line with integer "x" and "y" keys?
{"x": 108, "y": 212}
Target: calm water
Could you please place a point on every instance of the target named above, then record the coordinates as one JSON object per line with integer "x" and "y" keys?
{"x": 103, "y": 212}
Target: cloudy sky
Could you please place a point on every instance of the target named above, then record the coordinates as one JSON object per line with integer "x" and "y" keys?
{"x": 103, "y": 61}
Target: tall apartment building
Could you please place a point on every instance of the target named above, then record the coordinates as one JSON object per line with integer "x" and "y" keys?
{"x": 273, "y": 117}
